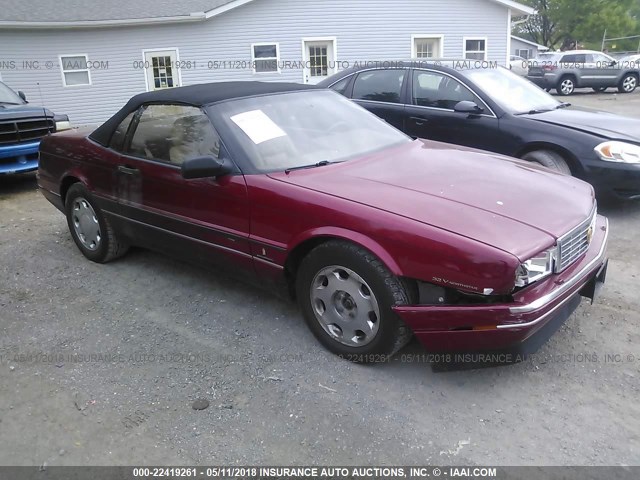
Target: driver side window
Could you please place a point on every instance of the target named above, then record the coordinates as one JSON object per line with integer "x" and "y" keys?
{"x": 433, "y": 89}
{"x": 173, "y": 134}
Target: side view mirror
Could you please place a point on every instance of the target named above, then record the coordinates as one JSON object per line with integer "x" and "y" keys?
{"x": 467, "y": 106}
{"x": 22, "y": 95}
{"x": 613, "y": 63}
{"x": 203, "y": 167}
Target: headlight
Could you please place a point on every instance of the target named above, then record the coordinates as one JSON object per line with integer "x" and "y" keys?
{"x": 62, "y": 122}
{"x": 620, "y": 152}
{"x": 63, "y": 125}
{"x": 536, "y": 268}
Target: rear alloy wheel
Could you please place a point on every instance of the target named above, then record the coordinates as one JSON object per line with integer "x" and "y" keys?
{"x": 346, "y": 295}
{"x": 548, "y": 159}
{"x": 628, "y": 83}
{"x": 566, "y": 86}
{"x": 90, "y": 229}
{"x": 599, "y": 89}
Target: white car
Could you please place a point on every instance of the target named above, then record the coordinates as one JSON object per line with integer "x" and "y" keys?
{"x": 519, "y": 65}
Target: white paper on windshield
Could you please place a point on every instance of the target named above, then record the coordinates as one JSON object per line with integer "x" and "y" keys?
{"x": 258, "y": 126}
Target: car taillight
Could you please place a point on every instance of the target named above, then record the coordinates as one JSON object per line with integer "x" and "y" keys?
{"x": 549, "y": 68}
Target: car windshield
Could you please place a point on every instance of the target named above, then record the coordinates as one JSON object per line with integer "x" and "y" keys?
{"x": 513, "y": 93}
{"x": 8, "y": 96}
{"x": 305, "y": 128}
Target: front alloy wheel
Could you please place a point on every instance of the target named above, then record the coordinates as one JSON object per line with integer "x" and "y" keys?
{"x": 345, "y": 306}
{"x": 346, "y": 295}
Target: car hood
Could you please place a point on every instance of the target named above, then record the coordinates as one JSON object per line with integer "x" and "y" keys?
{"x": 604, "y": 124}
{"x": 509, "y": 204}
{"x": 22, "y": 111}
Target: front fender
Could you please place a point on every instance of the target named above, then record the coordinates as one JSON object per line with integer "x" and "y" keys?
{"x": 349, "y": 235}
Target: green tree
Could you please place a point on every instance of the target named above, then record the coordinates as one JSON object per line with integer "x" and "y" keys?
{"x": 562, "y": 23}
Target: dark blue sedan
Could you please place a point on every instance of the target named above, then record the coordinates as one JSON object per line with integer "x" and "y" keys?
{"x": 472, "y": 103}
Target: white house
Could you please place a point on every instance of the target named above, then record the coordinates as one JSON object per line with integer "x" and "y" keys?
{"x": 87, "y": 60}
{"x": 526, "y": 48}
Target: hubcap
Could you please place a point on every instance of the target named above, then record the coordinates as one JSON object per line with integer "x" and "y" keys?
{"x": 345, "y": 306}
{"x": 567, "y": 86}
{"x": 629, "y": 84}
{"x": 85, "y": 223}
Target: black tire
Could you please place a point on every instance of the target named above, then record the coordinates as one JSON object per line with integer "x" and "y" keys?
{"x": 628, "y": 84}
{"x": 386, "y": 289}
{"x": 598, "y": 89}
{"x": 566, "y": 86}
{"x": 109, "y": 246}
{"x": 548, "y": 159}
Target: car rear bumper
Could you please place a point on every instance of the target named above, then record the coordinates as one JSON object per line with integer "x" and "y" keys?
{"x": 476, "y": 328}
{"x": 19, "y": 158}
{"x": 543, "y": 81}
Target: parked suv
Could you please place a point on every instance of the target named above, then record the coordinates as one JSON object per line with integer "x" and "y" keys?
{"x": 22, "y": 126}
{"x": 566, "y": 71}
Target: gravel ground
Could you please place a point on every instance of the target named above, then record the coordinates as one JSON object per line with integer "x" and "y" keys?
{"x": 100, "y": 365}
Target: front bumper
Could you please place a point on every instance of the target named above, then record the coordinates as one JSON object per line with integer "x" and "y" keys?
{"x": 477, "y": 328}
{"x": 621, "y": 180}
{"x": 19, "y": 158}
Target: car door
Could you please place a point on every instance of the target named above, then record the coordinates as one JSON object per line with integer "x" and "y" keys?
{"x": 103, "y": 171}
{"x": 381, "y": 92}
{"x": 604, "y": 70}
{"x": 206, "y": 219}
{"x": 431, "y": 114}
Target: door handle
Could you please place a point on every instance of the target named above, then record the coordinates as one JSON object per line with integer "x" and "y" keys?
{"x": 128, "y": 170}
{"x": 420, "y": 120}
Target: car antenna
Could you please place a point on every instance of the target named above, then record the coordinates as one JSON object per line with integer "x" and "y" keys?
{"x": 44, "y": 110}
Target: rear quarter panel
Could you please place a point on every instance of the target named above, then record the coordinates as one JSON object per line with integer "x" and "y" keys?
{"x": 72, "y": 155}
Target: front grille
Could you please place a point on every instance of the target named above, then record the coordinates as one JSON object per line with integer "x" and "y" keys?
{"x": 24, "y": 130}
{"x": 575, "y": 243}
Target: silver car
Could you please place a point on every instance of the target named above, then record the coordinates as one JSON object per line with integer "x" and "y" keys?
{"x": 566, "y": 71}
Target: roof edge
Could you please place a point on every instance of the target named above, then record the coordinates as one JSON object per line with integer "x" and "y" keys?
{"x": 517, "y": 8}
{"x": 524, "y": 40}
{"x": 126, "y": 22}
{"x": 225, "y": 8}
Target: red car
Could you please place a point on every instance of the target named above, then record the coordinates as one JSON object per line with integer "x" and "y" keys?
{"x": 378, "y": 236}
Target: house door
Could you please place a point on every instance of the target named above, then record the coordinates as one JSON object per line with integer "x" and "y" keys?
{"x": 161, "y": 69}
{"x": 319, "y": 60}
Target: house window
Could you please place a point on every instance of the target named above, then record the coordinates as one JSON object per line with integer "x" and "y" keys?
{"x": 75, "y": 70}
{"x": 264, "y": 57}
{"x": 426, "y": 46}
{"x": 524, "y": 53}
{"x": 475, "y": 48}
{"x": 319, "y": 60}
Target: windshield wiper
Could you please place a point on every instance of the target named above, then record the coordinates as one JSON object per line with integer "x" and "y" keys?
{"x": 9, "y": 103}
{"x": 563, "y": 105}
{"x": 313, "y": 165}
{"x": 534, "y": 111}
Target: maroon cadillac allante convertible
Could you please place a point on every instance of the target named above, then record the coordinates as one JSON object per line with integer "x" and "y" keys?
{"x": 378, "y": 236}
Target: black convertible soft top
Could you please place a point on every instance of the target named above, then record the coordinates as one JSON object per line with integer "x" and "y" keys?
{"x": 196, "y": 95}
